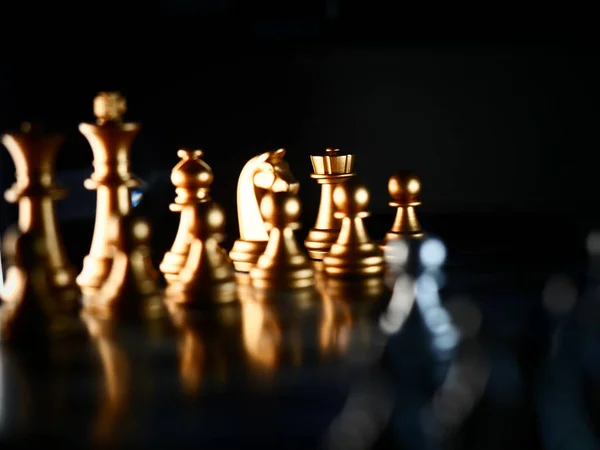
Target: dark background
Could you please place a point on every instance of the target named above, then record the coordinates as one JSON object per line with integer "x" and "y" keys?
{"x": 495, "y": 109}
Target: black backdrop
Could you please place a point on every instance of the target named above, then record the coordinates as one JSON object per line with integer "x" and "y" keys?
{"x": 493, "y": 115}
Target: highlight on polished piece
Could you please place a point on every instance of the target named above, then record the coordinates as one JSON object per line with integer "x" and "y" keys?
{"x": 35, "y": 190}
{"x": 353, "y": 254}
{"x": 267, "y": 172}
{"x": 330, "y": 170}
{"x": 197, "y": 268}
{"x": 110, "y": 139}
{"x": 282, "y": 265}
{"x": 405, "y": 189}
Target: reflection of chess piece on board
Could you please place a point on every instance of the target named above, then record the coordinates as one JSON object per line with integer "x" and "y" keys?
{"x": 197, "y": 266}
{"x": 29, "y": 311}
{"x": 261, "y": 331}
{"x": 282, "y": 265}
{"x": 35, "y": 191}
{"x": 117, "y": 378}
{"x": 335, "y": 323}
{"x": 353, "y": 254}
{"x": 131, "y": 287}
{"x": 267, "y": 172}
{"x": 329, "y": 170}
{"x": 111, "y": 141}
{"x": 405, "y": 190}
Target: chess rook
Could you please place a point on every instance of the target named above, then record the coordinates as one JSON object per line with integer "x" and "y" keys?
{"x": 35, "y": 191}
{"x": 111, "y": 141}
{"x": 197, "y": 268}
{"x": 405, "y": 189}
{"x": 329, "y": 170}
{"x": 282, "y": 265}
{"x": 353, "y": 255}
{"x": 267, "y": 172}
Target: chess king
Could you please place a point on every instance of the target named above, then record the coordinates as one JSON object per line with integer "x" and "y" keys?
{"x": 110, "y": 139}
{"x": 267, "y": 172}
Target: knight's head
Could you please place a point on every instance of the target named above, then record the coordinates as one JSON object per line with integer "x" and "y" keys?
{"x": 274, "y": 174}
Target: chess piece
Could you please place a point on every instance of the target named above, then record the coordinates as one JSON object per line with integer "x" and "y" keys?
{"x": 267, "y": 172}
{"x": 35, "y": 190}
{"x": 197, "y": 266}
{"x": 29, "y": 311}
{"x": 111, "y": 141}
{"x": 192, "y": 178}
{"x": 282, "y": 265}
{"x": 405, "y": 189}
{"x": 329, "y": 170}
{"x": 131, "y": 287}
{"x": 353, "y": 254}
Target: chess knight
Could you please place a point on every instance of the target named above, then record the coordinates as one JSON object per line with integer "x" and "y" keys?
{"x": 267, "y": 172}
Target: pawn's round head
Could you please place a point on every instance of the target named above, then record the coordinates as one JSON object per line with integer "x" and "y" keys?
{"x": 405, "y": 187}
{"x": 351, "y": 199}
{"x": 280, "y": 209}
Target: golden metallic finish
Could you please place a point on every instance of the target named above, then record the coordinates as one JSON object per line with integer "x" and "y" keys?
{"x": 197, "y": 268}
{"x": 35, "y": 190}
{"x": 353, "y": 254}
{"x": 267, "y": 172}
{"x": 329, "y": 170}
{"x": 111, "y": 141}
{"x": 131, "y": 287}
{"x": 29, "y": 309}
{"x": 282, "y": 265}
{"x": 405, "y": 189}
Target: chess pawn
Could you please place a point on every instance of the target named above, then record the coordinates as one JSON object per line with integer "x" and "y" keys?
{"x": 29, "y": 311}
{"x": 405, "y": 189}
{"x": 353, "y": 254}
{"x": 282, "y": 265}
{"x": 329, "y": 171}
{"x": 35, "y": 191}
{"x": 131, "y": 287}
{"x": 267, "y": 172}
{"x": 111, "y": 141}
{"x": 208, "y": 273}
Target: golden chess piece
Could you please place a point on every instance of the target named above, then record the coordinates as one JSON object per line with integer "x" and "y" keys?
{"x": 405, "y": 189}
{"x": 282, "y": 265}
{"x": 111, "y": 140}
{"x": 131, "y": 287}
{"x": 29, "y": 311}
{"x": 197, "y": 266}
{"x": 329, "y": 171}
{"x": 353, "y": 254}
{"x": 267, "y": 172}
{"x": 35, "y": 190}
{"x": 192, "y": 178}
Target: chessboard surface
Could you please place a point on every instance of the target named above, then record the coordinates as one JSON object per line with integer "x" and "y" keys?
{"x": 337, "y": 371}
